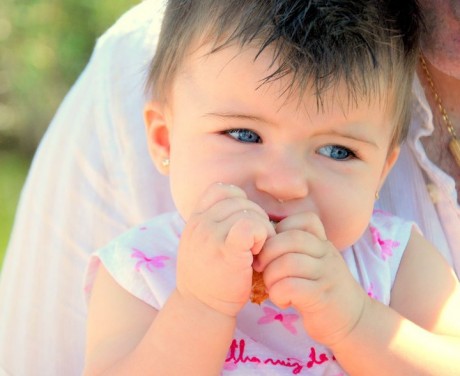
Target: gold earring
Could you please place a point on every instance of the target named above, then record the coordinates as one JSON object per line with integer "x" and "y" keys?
{"x": 377, "y": 196}
{"x": 165, "y": 162}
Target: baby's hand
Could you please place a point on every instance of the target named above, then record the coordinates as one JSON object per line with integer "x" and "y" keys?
{"x": 217, "y": 247}
{"x": 303, "y": 269}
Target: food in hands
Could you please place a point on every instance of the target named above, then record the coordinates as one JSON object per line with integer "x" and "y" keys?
{"x": 258, "y": 292}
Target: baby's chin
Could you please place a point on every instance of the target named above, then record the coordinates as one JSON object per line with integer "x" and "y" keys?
{"x": 185, "y": 212}
{"x": 342, "y": 246}
{"x": 345, "y": 242}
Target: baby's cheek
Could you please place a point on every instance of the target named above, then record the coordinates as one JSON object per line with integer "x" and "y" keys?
{"x": 347, "y": 225}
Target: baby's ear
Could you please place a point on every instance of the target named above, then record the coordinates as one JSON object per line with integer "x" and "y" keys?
{"x": 156, "y": 126}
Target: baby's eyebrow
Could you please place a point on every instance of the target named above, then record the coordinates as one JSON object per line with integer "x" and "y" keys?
{"x": 352, "y": 136}
{"x": 237, "y": 116}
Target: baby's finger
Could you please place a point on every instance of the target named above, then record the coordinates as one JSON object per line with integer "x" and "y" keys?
{"x": 293, "y": 265}
{"x": 292, "y": 241}
{"x": 306, "y": 221}
{"x": 289, "y": 290}
{"x": 217, "y": 192}
{"x": 248, "y": 231}
{"x": 228, "y": 207}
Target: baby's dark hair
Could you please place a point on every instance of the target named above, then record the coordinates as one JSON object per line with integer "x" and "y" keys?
{"x": 371, "y": 46}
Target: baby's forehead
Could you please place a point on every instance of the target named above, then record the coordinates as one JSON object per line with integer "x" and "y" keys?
{"x": 239, "y": 66}
{"x": 230, "y": 96}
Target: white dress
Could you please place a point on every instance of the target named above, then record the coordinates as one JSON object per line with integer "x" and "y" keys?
{"x": 267, "y": 340}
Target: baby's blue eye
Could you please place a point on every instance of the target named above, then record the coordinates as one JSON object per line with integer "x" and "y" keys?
{"x": 336, "y": 152}
{"x": 244, "y": 135}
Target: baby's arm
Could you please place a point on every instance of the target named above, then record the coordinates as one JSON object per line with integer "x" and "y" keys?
{"x": 302, "y": 269}
{"x": 128, "y": 337}
{"x": 420, "y": 334}
{"x": 192, "y": 333}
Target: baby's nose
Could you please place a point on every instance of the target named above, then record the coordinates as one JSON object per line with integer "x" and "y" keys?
{"x": 284, "y": 177}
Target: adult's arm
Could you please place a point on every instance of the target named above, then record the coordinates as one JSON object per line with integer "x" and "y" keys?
{"x": 91, "y": 179}
{"x": 416, "y": 189}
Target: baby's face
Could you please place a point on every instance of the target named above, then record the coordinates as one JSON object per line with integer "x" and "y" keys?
{"x": 224, "y": 126}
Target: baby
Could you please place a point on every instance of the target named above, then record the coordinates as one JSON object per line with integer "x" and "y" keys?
{"x": 277, "y": 122}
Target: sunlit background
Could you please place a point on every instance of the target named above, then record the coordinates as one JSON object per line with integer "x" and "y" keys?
{"x": 44, "y": 45}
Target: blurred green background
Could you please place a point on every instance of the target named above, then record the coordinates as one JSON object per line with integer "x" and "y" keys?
{"x": 44, "y": 45}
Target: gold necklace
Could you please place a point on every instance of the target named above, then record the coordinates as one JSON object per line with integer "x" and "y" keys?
{"x": 454, "y": 143}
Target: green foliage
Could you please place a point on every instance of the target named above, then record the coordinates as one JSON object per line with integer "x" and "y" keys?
{"x": 13, "y": 170}
{"x": 44, "y": 45}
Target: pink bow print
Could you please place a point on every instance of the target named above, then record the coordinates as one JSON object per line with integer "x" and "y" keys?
{"x": 149, "y": 262}
{"x": 385, "y": 245}
{"x": 286, "y": 319}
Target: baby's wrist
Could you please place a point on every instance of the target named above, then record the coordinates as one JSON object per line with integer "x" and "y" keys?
{"x": 356, "y": 332}
{"x": 218, "y": 311}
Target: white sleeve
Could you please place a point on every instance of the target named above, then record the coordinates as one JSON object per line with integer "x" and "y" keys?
{"x": 90, "y": 180}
